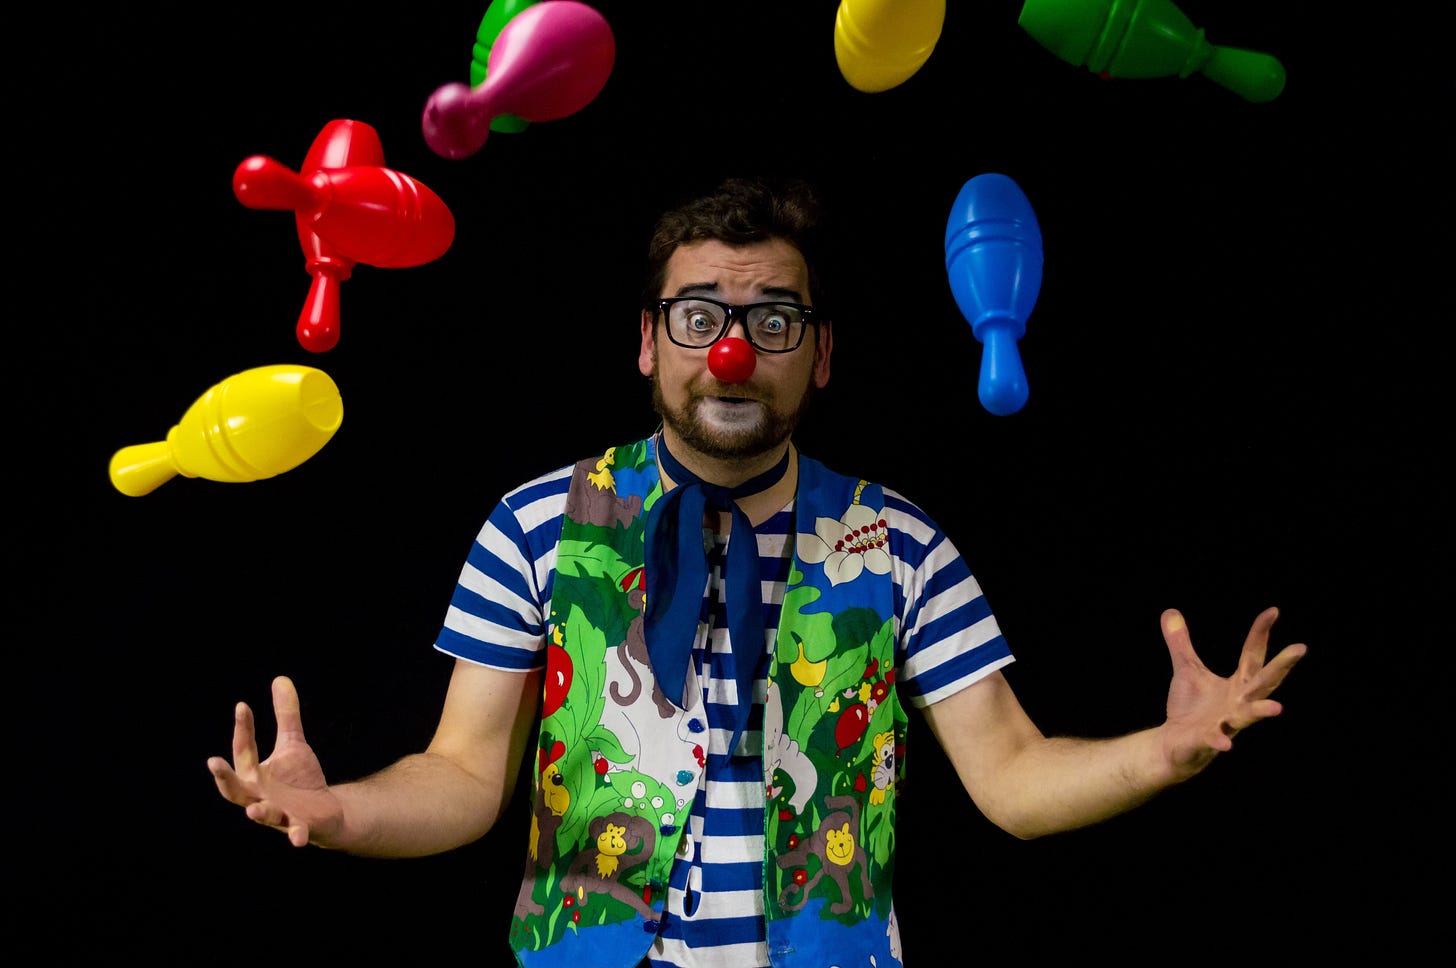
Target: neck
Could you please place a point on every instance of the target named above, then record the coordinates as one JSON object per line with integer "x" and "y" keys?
{"x": 725, "y": 472}
{"x": 730, "y": 473}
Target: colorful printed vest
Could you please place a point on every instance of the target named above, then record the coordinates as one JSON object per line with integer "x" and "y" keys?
{"x": 618, "y": 763}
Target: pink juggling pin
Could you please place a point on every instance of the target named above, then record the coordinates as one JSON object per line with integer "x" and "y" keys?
{"x": 549, "y": 61}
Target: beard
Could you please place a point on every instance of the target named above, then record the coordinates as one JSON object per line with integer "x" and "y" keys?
{"x": 742, "y": 439}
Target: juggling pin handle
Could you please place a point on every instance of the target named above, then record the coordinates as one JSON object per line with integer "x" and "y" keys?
{"x": 140, "y": 469}
{"x": 455, "y": 124}
{"x": 1001, "y": 387}
{"x": 318, "y": 322}
{"x": 260, "y": 182}
{"x": 1252, "y": 75}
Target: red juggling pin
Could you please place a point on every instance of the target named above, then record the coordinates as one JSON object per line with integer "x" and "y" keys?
{"x": 548, "y": 61}
{"x": 349, "y": 208}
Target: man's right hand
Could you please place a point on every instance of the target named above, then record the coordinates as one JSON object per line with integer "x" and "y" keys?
{"x": 287, "y": 791}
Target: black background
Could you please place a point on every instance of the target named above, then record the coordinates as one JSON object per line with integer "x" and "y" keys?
{"x": 1237, "y": 366}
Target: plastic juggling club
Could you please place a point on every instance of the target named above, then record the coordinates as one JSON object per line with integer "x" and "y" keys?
{"x": 880, "y": 44}
{"x": 497, "y": 15}
{"x": 993, "y": 257}
{"x": 549, "y": 61}
{"x": 1146, "y": 38}
{"x": 732, "y": 360}
{"x": 253, "y": 425}
{"x": 348, "y": 209}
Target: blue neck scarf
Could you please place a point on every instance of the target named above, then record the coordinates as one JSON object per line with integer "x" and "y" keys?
{"x": 677, "y": 574}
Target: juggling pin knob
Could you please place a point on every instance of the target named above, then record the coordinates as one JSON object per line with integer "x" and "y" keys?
{"x": 549, "y": 60}
{"x": 993, "y": 256}
{"x": 253, "y": 425}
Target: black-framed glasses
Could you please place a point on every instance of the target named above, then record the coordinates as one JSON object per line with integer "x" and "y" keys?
{"x": 696, "y": 322}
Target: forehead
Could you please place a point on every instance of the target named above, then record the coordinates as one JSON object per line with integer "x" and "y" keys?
{"x": 758, "y": 266}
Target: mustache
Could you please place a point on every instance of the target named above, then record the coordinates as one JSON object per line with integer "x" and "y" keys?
{"x": 738, "y": 391}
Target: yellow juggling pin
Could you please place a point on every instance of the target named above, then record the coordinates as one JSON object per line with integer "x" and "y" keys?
{"x": 882, "y": 43}
{"x": 252, "y": 425}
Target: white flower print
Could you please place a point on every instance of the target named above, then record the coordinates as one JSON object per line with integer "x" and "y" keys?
{"x": 857, "y": 541}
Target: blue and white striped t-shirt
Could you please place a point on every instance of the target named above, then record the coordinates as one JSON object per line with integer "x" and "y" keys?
{"x": 947, "y": 638}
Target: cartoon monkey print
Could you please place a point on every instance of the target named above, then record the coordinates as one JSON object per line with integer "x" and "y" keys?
{"x": 622, "y": 841}
{"x": 835, "y": 846}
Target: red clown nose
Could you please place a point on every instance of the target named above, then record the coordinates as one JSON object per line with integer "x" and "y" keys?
{"x": 732, "y": 360}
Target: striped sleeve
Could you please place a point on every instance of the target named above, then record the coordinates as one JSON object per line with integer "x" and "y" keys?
{"x": 496, "y": 616}
{"x": 948, "y": 635}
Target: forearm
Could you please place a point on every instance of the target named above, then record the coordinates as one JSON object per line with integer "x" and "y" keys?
{"x": 1053, "y": 784}
{"x": 422, "y": 804}
{"x": 457, "y": 789}
{"x": 1031, "y": 785}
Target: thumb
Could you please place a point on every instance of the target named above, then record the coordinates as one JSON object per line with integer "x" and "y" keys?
{"x": 1180, "y": 644}
{"x": 286, "y": 708}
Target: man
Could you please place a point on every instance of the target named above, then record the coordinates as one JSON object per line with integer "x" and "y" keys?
{"x": 711, "y": 638}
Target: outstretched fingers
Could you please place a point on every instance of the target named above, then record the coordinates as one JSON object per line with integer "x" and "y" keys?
{"x": 245, "y": 740}
{"x": 229, "y": 784}
{"x": 1206, "y": 710}
{"x": 271, "y": 790}
{"x": 1263, "y": 678}
{"x": 1258, "y": 679}
{"x": 1256, "y": 644}
{"x": 1272, "y": 675}
{"x": 234, "y": 779}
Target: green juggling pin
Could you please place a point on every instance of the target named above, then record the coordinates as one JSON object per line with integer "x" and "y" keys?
{"x": 1146, "y": 38}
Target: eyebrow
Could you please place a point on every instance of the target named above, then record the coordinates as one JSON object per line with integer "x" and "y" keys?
{"x": 786, "y": 293}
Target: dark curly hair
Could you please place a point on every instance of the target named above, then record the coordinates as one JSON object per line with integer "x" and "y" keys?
{"x": 740, "y": 211}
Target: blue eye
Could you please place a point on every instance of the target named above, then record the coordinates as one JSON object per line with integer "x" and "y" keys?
{"x": 700, "y": 321}
{"x": 774, "y": 323}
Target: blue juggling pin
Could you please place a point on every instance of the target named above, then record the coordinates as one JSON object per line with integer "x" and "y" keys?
{"x": 993, "y": 257}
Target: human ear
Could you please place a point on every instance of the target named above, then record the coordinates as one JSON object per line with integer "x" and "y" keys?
{"x": 823, "y": 346}
{"x": 648, "y": 350}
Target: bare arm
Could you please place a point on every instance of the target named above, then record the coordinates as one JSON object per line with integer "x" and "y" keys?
{"x": 1031, "y": 785}
{"x": 446, "y": 796}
